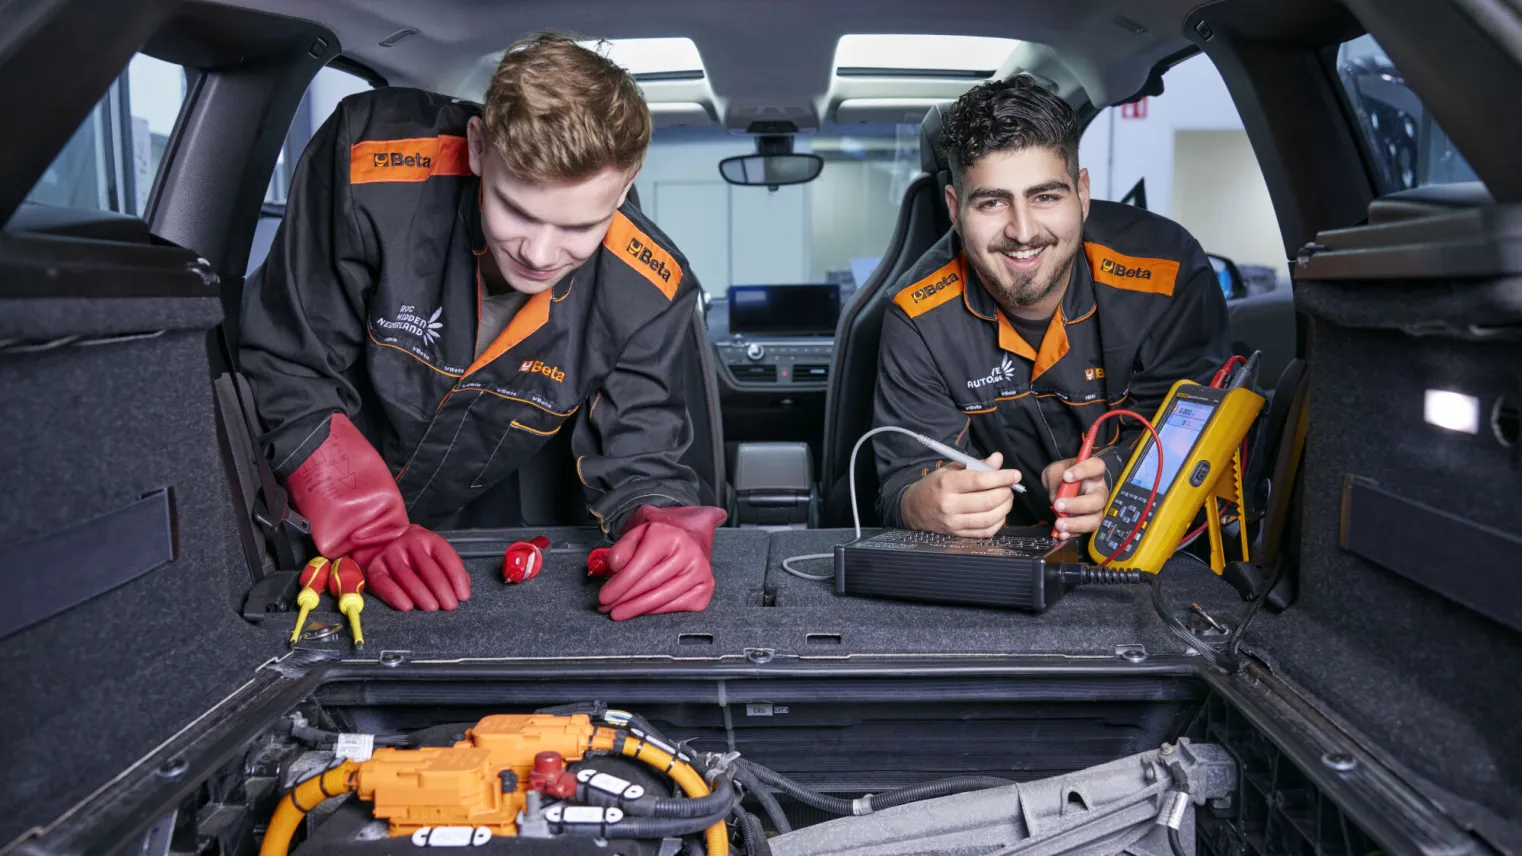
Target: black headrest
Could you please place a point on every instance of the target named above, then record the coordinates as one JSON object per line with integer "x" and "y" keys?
{"x": 932, "y": 159}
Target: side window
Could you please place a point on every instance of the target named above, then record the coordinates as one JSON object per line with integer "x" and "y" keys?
{"x": 111, "y": 161}
{"x": 327, "y": 88}
{"x": 1185, "y": 155}
{"x": 1404, "y": 143}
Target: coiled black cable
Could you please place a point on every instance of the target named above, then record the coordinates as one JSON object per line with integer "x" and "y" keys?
{"x": 1175, "y": 842}
{"x": 723, "y": 798}
{"x": 1080, "y": 574}
{"x": 643, "y": 827}
{"x": 833, "y": 805}
{"x": 931, "y": 790}
{"x": 875, "y": 802}
{"x": 1177, "y": 628}
{"x": 769, "y": 805}
{"x": 752, "y": 834}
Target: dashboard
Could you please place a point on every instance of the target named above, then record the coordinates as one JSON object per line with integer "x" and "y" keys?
{"x": 770, "y": 337}
{"x": 773, "y": 347}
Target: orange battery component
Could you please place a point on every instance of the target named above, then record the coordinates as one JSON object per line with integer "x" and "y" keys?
{"x": 479, "y": 781}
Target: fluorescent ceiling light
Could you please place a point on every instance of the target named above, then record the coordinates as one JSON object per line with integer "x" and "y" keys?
{"x": 921, "y": 53}
{"x": 655, "y": 58}
{"x": 1453, "y": 410}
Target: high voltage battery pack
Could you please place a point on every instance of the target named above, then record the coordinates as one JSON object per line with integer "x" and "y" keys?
{"x": 1019, "y": 569}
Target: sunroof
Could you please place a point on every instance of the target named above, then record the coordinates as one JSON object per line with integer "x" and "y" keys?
{"x": 920, "y": 55}
{"x": 653, "y": 59}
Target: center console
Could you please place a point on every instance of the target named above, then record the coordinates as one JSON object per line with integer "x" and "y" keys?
{"x": 773, "y": 362}
{"x": 771, "y": 336}
{"x": 773, "y": 346}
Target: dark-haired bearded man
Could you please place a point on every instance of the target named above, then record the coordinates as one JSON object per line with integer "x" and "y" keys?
{"x": 1039, "y": 311}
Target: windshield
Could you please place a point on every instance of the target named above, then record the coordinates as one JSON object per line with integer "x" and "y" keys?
{"x": 1407, "y": 147}
{"x": 831, "y": 230}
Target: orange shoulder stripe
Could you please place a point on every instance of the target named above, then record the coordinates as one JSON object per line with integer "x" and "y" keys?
{"x": 1132, "y": 273}
{"x": 409, "y": 160}
{"x": 942, "y": 286}
{"x": 639, "y": 251}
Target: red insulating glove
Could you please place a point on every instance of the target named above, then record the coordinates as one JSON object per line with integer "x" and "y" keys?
{"x": 348, "y": 494}
{"x": 663, "y": 562}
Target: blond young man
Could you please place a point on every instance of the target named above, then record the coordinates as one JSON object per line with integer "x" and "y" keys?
{"x": 452, "y": 285}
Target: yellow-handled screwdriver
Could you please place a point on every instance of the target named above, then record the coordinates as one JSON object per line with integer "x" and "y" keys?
{"x": 347, "y": 583}
{"x": 314, "y": 578}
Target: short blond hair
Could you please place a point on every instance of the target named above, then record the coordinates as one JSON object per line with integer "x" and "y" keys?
{"x": 559, "y": 112}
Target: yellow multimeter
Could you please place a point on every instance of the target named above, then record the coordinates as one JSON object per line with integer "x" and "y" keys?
{"x": 1201, "y": 428}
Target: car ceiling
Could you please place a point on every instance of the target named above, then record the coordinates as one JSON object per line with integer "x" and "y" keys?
{"x": 757, "y": 53}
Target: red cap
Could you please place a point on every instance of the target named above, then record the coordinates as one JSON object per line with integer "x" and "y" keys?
{"x": 546, "y": 763}
{"x": 597, "y": 563}
{"x": 550, "y": 777}
{"x": 523, "y": 560}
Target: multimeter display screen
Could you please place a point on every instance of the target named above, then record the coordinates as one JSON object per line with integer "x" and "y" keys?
{"x": 1178, "y": 433}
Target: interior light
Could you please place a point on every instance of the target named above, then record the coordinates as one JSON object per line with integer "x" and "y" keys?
{"x": 1453, "y": 410}
{"x": 650, "y": 56}
{"x": 922, "y": 52}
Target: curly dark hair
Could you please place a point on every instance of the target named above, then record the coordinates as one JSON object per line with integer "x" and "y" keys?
{"x": 1008, "y": 115}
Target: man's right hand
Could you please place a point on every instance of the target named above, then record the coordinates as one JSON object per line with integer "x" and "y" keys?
{"x": 346, "y": 491}
{"x": 953, "y": 500}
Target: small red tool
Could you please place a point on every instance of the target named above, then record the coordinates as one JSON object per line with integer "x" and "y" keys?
{"x": 348, "y": 585}
{"x": 314, "y": 578}
{"x": 1068, "y": 490}
{"x": 523, "y": 560}
{"x": 597, "y": 563}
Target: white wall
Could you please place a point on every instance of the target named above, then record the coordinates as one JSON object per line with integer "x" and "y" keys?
{"x": 1227, "y": 200}
{"x": 730, "y": 235}
{"x": 855, "y": 206}
{"x": 1220, "y": 196}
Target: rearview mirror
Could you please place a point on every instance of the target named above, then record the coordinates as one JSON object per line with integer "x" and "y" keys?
{"x": 771, "y": 170}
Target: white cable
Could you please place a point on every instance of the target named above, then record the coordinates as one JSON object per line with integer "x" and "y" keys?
{"x": 787, "y": 565}
{"x": 965, "y": 460}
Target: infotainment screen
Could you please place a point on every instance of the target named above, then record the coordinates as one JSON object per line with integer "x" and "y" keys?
{"x": 784, "y": 310}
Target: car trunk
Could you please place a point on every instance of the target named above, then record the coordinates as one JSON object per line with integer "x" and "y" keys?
{"x": 149, "y": 686}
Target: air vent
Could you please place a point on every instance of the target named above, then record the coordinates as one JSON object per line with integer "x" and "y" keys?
{"x": 810, "y": 372}
{"x": 754, "y": 372}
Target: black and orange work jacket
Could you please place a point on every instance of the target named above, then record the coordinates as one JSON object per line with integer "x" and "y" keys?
{"x": 1143, "y": 308}
{"x": 368, "y": 305}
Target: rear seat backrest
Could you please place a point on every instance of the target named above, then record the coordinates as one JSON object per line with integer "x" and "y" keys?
{"x": 119, "y": 561}
{"x": 922, "y": 220}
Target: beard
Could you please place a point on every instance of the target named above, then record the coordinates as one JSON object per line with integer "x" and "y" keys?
{"x": 1028, "y": 288}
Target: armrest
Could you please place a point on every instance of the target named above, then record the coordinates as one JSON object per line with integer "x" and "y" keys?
{"x": 774, "y": 484}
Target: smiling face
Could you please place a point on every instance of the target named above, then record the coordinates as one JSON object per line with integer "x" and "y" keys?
{"x": 1020, "y": 213}
{"x": 539, "y": 232}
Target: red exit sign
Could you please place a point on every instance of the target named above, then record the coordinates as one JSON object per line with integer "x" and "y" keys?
{"x": 1134, "y": 110}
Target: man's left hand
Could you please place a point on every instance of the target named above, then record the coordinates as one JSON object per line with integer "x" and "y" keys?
{"x": 662, "y": 563}
{"x": 1086, "y": 510}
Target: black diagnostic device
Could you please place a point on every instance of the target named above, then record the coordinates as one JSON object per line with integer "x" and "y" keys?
{"x": 1021, "y": 568}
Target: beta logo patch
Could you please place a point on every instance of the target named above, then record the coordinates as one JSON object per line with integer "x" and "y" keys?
{"x": 395, "y": 159}
{"x": 1131, "y": 273}
{"x": 1115, "y": 268}
{"x": 1094, "y": 374}
{"x": 922, "y": 294}
{"x": 641, "y": 253}
{"x": 538, "y": 367}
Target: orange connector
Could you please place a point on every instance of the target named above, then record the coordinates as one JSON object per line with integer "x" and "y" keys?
{"x": 479, "y": 781}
